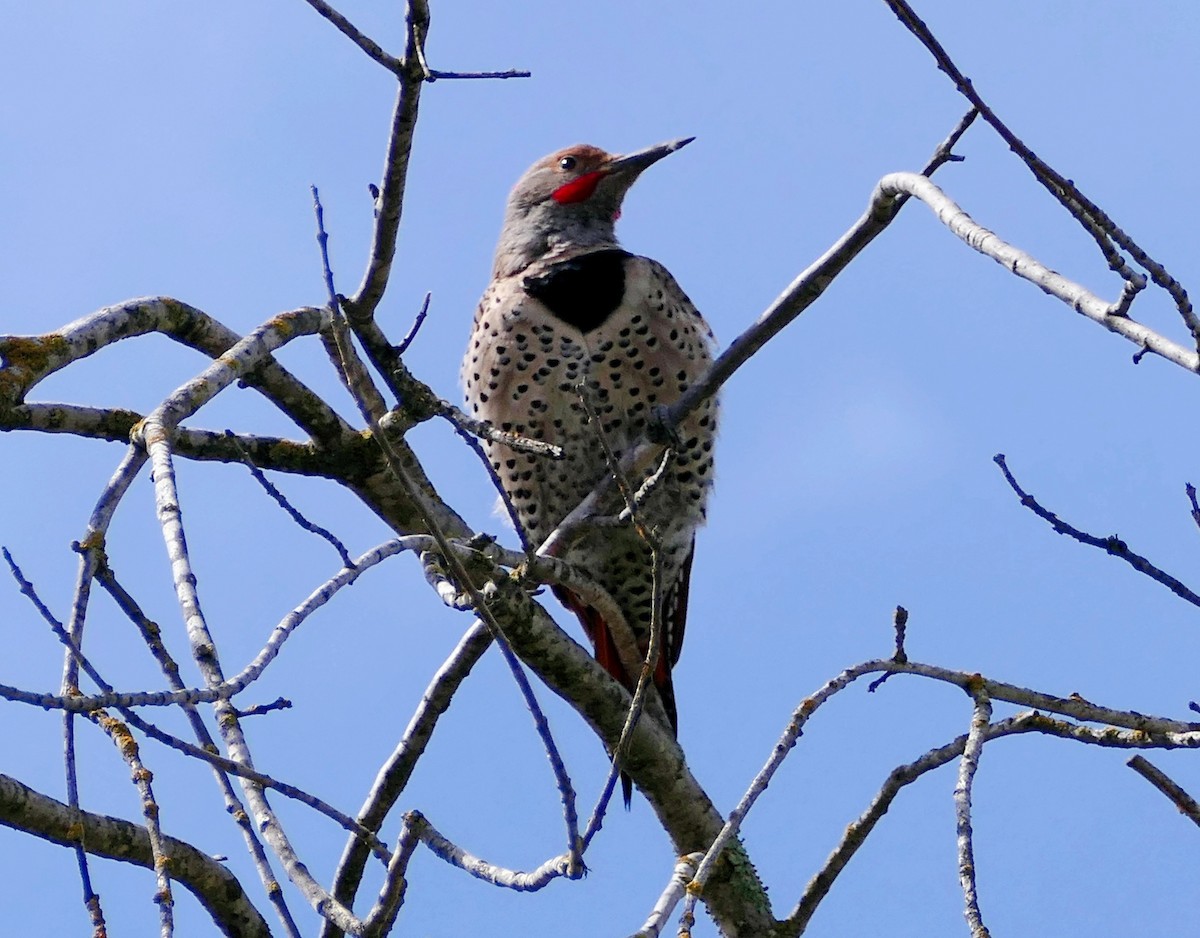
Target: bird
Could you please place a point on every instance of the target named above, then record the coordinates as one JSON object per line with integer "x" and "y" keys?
{"x": 570, "y": 314}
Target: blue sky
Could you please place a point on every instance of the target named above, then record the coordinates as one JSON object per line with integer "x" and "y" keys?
{"x": 168, "y": 148}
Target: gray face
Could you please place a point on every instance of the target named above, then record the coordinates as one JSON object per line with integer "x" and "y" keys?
{"x": 569, "y": 198}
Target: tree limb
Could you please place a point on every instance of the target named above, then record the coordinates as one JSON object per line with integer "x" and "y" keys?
{"x": 217, "y": 889}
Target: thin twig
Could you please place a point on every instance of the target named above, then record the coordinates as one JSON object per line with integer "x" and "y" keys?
{"x": 91, "y": 900}
{"x": 287, "y": 506}
{"x": 119, "y": 733}
{"x": 279, "y": 703}
{"x": 1112, "y": 545}
{"x": 419, "y": 403}
{"x": 1113, "y": 316}
{"x": 382, "y": 916}
{"x": 1191, "y": 494}
{"x": 900, "y": 622}
{"x": 76, "y": 702}
{"x": 364, "y": 42}
{"x": 341, "y": 351}
{"x": 434, "y": 74}
{"x": 493, "y": 434}
{"x": 646, "y": 489}
{"x": 899, "y": 625}
{"x": 415, "y": 327}
{"x": 347, "y": 576}
{"x": 624, "y": 485}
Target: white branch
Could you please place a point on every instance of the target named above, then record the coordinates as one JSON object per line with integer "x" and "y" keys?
{"x": 684, "y": 870}
{"x": 1111, "y": 316}
{"x": 967, "y": 766}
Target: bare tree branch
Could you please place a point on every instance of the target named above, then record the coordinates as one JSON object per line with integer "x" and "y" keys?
{"x": 1112, "y": 545}
{"x": 683, "y": 873}
{"x": 1113, "y": 316}
{"x": 967, "y": 766}
{"x": 394, "y": 774}
{"x": 355, "y": 35}
{"x": 434, "y": 74}
{"x": 360, "y": 309}
{"x": 156, "y": 435}
{"x": 119, "y": 733}
{"x": 1159, "y": 779}
{"x": 281, "y": 500}
{"x": 30, "y": 359}
{"x": 1064, "y": 190}
{"x": 217, "y": 889}
{"x": 530, "y": 881}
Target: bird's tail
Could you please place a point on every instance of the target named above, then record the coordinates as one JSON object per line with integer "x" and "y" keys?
{"x": 605, "y": 650}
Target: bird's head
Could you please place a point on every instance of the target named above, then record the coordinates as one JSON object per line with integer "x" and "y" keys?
{"x": 570, "y": 198}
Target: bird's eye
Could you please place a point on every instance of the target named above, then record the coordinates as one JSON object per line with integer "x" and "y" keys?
{"x": 567, "y": 163}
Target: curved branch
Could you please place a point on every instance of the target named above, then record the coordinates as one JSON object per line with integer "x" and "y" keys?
{"x": 1112, "y": 316}
{"x": 217, "y": 889}
{"x": 30, "y": 359}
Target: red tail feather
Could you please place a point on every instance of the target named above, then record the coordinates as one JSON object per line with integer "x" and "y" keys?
{"x": 605, "y": 650}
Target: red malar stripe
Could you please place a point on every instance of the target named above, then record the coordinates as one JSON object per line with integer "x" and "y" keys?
{"x": 578, "y": 190}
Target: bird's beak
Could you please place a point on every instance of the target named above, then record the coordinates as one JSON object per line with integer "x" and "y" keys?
{"x": 632, "y": 164}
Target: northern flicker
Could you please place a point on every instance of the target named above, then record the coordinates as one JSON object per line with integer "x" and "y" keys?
{"x": 568, "y": 311}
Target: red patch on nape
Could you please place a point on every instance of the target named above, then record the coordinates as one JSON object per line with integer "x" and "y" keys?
{"x": 578, "y": 190}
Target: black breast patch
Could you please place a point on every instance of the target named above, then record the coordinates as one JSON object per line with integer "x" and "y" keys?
{"x": 582, "y": 291}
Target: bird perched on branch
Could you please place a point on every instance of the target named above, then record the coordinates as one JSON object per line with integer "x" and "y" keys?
{"x": 570, "y": 315}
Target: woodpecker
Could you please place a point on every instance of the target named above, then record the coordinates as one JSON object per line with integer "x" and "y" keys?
{"x": 569, "y": 312}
